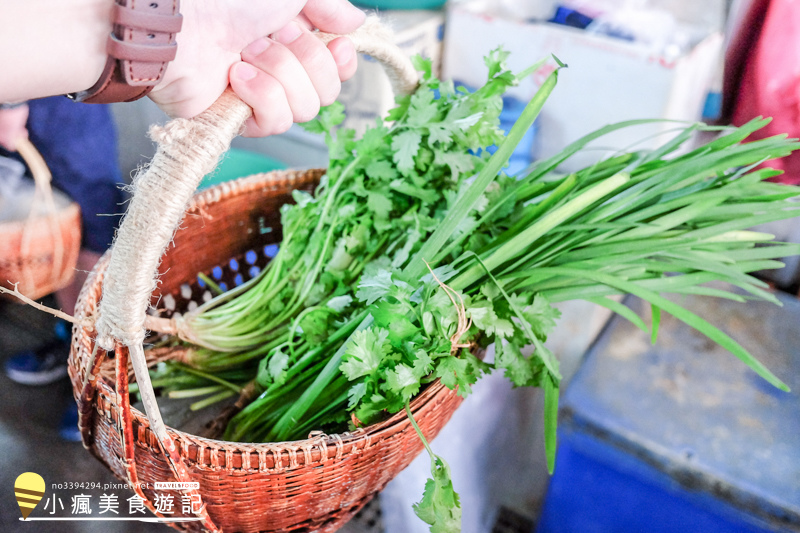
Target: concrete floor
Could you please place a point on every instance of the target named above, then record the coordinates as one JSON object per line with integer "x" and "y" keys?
{"x": 29, "y": 420}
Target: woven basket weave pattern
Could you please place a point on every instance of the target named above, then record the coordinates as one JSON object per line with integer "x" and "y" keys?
{"x": 32, "y": 264}
{"x": 311, "y": 485}
{"x": 39, "y": 254}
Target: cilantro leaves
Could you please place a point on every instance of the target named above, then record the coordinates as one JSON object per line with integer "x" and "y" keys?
{"x": 345, "y": 320}
{"x": 440, "y": 506}
{"x": 365, "y": 353}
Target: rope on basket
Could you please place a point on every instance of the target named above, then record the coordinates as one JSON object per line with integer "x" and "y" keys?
{"x": 188, "y": 149}
{"x": 461, "y": 312}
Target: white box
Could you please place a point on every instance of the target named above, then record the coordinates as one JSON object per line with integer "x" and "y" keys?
{"x": 368, "y": 94}
{"x": 608, "y": 80}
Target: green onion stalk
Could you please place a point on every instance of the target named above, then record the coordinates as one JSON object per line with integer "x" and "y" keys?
{"x": 412, "y": 249}
{"x": 632, "y": 224}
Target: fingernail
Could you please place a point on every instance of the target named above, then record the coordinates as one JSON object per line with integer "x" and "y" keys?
{"x": 256, "y": 47}
{"x": 344, "y": 55}
{"x": 288, "y": 33}
{"x": 245, "y": 72}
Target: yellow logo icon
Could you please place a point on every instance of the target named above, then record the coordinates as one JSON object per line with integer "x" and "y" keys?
{"x": 29, "y": 489}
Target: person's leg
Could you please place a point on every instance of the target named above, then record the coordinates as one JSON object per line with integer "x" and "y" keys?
{"x": 79, "y": 144}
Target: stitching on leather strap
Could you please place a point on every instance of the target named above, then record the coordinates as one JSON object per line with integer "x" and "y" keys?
{"x": 152, "y": 22}
{"x": 148, "y": 53}
{"x": 134, "y": 64}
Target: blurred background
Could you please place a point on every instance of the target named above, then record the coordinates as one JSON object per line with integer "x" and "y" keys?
{"x": 668, "y": 443}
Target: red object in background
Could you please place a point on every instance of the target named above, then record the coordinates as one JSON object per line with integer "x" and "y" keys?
{"x": 766, "y": 65}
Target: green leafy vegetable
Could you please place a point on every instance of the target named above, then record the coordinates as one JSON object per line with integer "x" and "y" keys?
{"x": 416, "y": 253}
{"x": 439, "y": 507}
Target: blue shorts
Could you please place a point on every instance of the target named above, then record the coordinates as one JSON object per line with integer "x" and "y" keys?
{"x": 79, "y": 144}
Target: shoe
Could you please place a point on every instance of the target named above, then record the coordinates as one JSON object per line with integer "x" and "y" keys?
{"x": 68, "y": 429}
{"x": 63, "y": 331}
{"x": 41, "y": 367}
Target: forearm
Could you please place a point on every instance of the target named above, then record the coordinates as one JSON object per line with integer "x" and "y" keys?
{"x": 51, "y": 46}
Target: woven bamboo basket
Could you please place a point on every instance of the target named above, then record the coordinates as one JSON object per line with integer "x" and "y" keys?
{"x": 311, "y": 485}
{"x": 39, "y": 254}
{"x": 315, "y": 484}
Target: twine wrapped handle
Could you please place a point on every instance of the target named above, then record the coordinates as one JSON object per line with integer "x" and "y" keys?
{"x": 188, "y": 149}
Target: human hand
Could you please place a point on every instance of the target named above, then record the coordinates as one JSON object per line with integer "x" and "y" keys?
{"x": 12, "y": 126}
{"x": 266, "y": 51}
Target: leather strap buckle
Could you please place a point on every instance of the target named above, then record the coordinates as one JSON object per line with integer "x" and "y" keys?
{"x": 140, "y": 46}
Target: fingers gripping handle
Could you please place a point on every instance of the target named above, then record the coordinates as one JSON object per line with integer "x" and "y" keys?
{"x": 188, "y": 149}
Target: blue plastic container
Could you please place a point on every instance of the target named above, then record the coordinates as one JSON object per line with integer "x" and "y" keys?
{"x": 682, "y": 436}
{"x": 571, "y": 17}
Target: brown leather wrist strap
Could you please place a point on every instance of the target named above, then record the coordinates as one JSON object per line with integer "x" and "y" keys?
{"x": 141, "y": 44}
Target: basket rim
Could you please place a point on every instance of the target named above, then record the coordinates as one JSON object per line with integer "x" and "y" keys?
{"x": 62, "y": 214}
{"x": 333, "y": 444}
{"x": 271, "y": 180}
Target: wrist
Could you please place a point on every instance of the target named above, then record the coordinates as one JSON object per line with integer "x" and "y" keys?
{"x": 63, "y": 43}
{"x": 140, "y": 46}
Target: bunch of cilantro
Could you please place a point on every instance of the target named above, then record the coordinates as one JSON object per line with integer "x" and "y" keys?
{"x": 416, "y": 253}
{"x": 381, "y": 199}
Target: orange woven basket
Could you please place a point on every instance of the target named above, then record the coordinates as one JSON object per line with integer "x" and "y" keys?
{"x": 311, "y": 485}
{"x": 302, "y": 486}
{"x": 39, "y": 254}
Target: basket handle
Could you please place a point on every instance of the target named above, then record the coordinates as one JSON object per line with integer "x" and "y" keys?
{"x": 187, "y": 150}
{"x": 43, "y": 195}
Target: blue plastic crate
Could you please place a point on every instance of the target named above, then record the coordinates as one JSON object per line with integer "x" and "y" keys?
{"x": 682, "y": 436}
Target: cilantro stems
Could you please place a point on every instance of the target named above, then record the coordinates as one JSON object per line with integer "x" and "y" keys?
{"x": 444, "y": 229}
{"x": 209, "y": 377}
{"x": 419, "y": 433}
